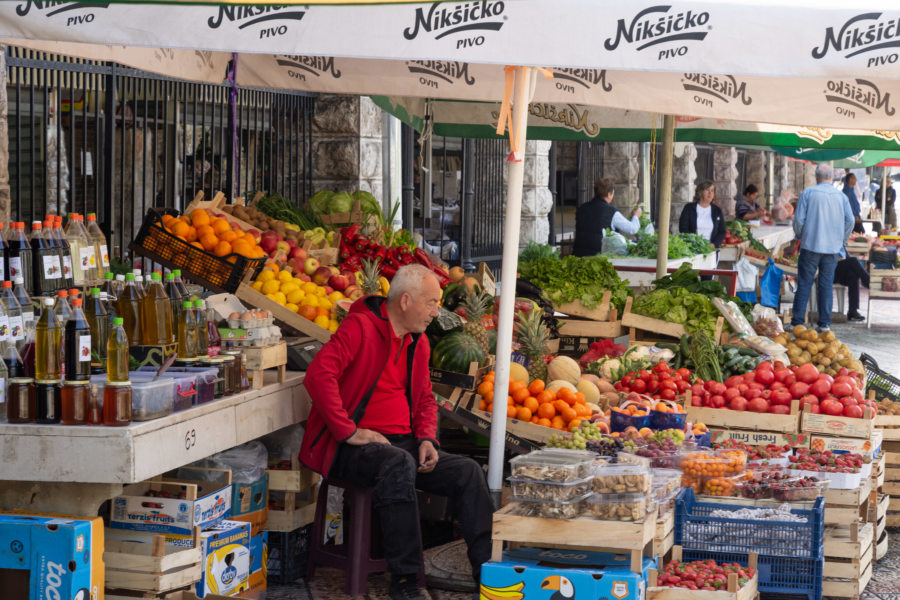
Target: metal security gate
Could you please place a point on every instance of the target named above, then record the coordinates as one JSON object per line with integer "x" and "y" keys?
{"x": 99, "y": 137}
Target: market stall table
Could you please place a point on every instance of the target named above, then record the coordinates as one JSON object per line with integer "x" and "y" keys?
{"x": 774, "y": 237}
{"x": 637, "y": 278}
{"x": 74, "y": 469}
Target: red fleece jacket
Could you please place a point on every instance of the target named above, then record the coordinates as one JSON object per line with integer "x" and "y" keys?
{"x": 342, "y": 376}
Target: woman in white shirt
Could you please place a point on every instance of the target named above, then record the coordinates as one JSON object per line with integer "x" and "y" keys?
{"x": 702, "y": 216}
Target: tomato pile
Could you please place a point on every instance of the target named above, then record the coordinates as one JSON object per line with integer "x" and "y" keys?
{"x": 808, "y": 459}
{"x": 770, "y": 388}
{"x": 660, "y": 383}
{"x": 702, "y": 575}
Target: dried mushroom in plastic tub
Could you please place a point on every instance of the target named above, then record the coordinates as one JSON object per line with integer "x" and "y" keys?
{"x": 530, "y": 489}
{"x": 622, "y": 479}
{"x": 552, "y": 466}
{"x": 619, "y": 507}
{"x": 564, "y": 509}
{"x": 665, "y": 481}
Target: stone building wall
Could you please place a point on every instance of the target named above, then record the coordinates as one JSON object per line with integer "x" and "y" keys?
{"x": 725, "y": 174}
{"x": 622, "y": 164}
{"x": 684, "y": 181}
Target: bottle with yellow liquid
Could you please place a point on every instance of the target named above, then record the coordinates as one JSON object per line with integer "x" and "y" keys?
{"x": 156, "y": 314}
{"x": 48, "y": 345}
{"x": 117, "y": 352}
{"x": 187, "y": 332}
{"x": 128, "y": 305}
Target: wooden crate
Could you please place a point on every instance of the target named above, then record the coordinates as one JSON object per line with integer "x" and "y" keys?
{"x": 889, "y": 425}
{"x": 876, "y": 279}
{"x": 141, "y": 562}
{"x": 465, "y": 381}
{"x": 586, "y": 534}
{"x": 881, "y": 546}
{"x": 853, "y": 497}
{"x": 847, "y": 588}
{"x": 664, "y": 538}
{"x": 602, "y": 312}
{"x": 216, "y": 205}
{"x": 529, "y": 431}
{"x": 601, "y": 321}
{"x": 356, "y": 216}
{"x": 292, "y": 483}
{"x": 257, "y": 360}
{"x": 848, "y": 550}
{"x": 839, "y": 426}
{"x": 185, "y": 593}
{"x": 747, "y": 592}
{"x": 636, "y": 321}
{"x": 730, "y": 419}
{"x": 285, "y": 317}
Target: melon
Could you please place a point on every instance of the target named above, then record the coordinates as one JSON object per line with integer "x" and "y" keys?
{"x": 565, "y": 368}
{"x": 590, "y": 391}
{"x": 341, "y": 309}
{"x": 455, "y": 352}
{"x": 517, "y": 372}
{"x": 558, "y": 384}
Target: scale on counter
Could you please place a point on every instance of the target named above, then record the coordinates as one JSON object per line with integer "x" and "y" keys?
{"x": 300, "y": 352}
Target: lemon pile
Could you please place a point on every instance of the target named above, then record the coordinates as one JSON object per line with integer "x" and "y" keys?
{"x": 302, "y": 297}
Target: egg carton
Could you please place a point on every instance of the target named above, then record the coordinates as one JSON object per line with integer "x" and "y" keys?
{"x": 258, "y": 337}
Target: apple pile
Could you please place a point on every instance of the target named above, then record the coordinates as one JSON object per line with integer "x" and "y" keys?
{"x": 771, "y": 388}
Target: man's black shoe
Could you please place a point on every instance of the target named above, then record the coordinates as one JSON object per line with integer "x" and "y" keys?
{"x": 857, "y": 318}
{"x": 405, "y": 588}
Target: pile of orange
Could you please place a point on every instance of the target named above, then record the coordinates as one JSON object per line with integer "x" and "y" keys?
{"x": 531, "y": 403}
{"x": 213, "y": 234}
{"x": 632, "y": 410}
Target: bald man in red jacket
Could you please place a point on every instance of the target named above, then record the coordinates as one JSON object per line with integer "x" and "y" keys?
{"x": 373, "y": 421}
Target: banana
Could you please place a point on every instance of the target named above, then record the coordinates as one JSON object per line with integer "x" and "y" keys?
{"x": 510, "y": 592}
{"x": 384, "y": 284}
{"x": 359, "y": 277}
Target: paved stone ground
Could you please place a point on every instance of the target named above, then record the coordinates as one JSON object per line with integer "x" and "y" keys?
{"x": 881, "y": 341}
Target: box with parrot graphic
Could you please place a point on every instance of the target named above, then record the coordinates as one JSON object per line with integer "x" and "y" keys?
{"x": 558, "y": 574}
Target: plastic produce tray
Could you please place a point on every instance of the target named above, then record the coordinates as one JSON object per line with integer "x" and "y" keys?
{"x": 795, "y": 578}
{"x": 220, "y": 274}
{"x": 288, "y": 554}
{"x": 884, "y": 384}
{"x": 696, "y": 529}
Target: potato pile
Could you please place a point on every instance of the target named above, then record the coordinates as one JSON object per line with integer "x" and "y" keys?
{"x": 257, "y": 218}
{"x": 823, "y": 350}
{"x": 888, "y": 407}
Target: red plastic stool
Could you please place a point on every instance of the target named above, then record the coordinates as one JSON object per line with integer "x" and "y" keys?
{"x": 354, "y": 556}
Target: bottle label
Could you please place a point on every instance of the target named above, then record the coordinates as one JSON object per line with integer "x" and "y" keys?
{"x": 84, "y": 348}
{"x": 3, "y": 266}
{"x": 17, "y": 328}
{"x": 52, "y": 268}
{"x": 15, "y": 267}
{"x": 88, "y": 261}
{"x": 213, "y": 350}
{"x": 27, "y": 318}
{"x": 67, "y": 266}
{"x": 105, "y": 254}
{"x": 4, "y": 328}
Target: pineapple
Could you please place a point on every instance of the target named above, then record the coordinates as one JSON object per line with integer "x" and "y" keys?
{"x": 532, "y": 335}
{"x": 370, "y": 274}
{"x": 476, "y": 305}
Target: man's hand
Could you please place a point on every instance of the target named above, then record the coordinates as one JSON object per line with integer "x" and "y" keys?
{"x": 637, "y": 212}
{"x": 366, "y": 436}
{"x": 428, "y": 457}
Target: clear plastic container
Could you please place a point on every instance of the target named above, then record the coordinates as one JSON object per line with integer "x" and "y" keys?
{"x": 622, "y": 479}
{"x": 620, "y": 507}
{"x": 665, "y": 482}
{"x": 552, "y": 466}
{"x": 151, "y": 398}
{"x": 202, "y": 379}
{"x": 563, "y": 509}
{"x": 799, "y": 489}
{"x": 529, "y": 489}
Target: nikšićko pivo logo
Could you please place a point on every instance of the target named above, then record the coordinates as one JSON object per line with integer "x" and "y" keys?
{"x": 567, "y": 79}
{"x": 864, "y": 34}
{"x": 299, "y": 67}
{"x": 75, "y": 13}
{"x": 432, "y": 72}
{"x": 657, "y": 25}
{"x": 272, "y": 19}
{"x": 854, "y": 95}
{"x": 467, "y": 18}
{"x": 709, "y": 88}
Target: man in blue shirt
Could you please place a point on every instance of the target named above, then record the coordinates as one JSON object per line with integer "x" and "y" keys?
{"x": 823, "y": 221}
{"x": 850, "y": 191}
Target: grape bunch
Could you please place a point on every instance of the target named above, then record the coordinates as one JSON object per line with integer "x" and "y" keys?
{"x": 606, "y": 446}
{"x": 582, "y": 436}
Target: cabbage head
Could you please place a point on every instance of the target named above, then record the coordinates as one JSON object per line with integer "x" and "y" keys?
{"x": 340, "y": 202}
{"x": 318, "y": 202}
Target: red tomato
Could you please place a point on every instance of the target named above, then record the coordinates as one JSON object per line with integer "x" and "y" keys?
{"x": 826, "y": 377}
{"x": 710, "y": 385}
{"x": 627, "y": 380}
{"x": 778, "y": 365}
{"x": 681, "y": 386}
{"x": 748, "y": 377}
{"x": 757, "y": 386}
{"x": 734, "y": 381}
{"x": 743, "y": 387}
{"x": 645, "y": 374}
{"x": 765, "y": 366}
{"x": 731, "y": 393}
{"x": 848, "y": 401}
{"x": 652, "y": 386}
{"x": 781, "y": 397}
{"x": 639, "y": 386}
{"x": 777, "y": 386}
{"x": 799, "y": 389}
{"x": 780, "y": 409}
{"x": 738, "y": 403}
{"x": 717, "y": 401}
{"x": 752, "y": 394}
{"x": 668, "y": 394}
{"x": 685, "y": 373}
{"x": 807, "y": 373}
{"x": 832, "y": 407}
{"x": 820, "y": 388}
{"x": 790, "y": 379}
{"x": 758, "y": 405}
{"x": 764, "y": 376}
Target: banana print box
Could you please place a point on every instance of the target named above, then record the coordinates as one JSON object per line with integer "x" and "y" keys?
{"x": 225, "y": 558}
{"x": 51, "y": 556}
{"x": 554, "y": 574}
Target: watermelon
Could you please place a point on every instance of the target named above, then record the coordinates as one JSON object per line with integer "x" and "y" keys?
{"x": 455, "y": 351}
{"x": 492, "y": 340}
{"x": 342, "y": 309}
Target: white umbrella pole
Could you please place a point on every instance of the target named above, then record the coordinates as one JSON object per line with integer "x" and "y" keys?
{"x": 512, "y": 219}
{"x": 665, "y": 195}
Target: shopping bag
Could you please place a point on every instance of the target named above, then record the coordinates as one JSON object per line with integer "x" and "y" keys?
{"x": 770, "y": 285}
{"x": 614, "y": 243}
{"x": 747, "y": 275}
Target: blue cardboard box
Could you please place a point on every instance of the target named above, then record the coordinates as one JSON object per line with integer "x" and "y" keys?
{"x": 225, "y": 555}
{"x": 59, "y": 556}
{"x": 259, "y": 550}
{"x": 249, "y": 497}
{"x": 553, "y": 574}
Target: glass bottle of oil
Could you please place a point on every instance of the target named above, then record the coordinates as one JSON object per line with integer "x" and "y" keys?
{"x": 117, "y": 352}
{"x": 78, "y": 345}
{"x": 202, "y": 331}
{"x": 96, "y": 234}
{"x": 187, "y": 332}
{"x": 98, "y": 319}
{"x": 48, "y": 345}
{"x": 128, "y": 305}
{"x": 156, "y": 314}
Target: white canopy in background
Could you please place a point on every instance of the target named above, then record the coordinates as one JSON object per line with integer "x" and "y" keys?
{"x": 807, "y": 63}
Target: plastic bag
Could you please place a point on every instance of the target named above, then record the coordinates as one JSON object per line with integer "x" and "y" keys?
{"x": 247, "y": 462}
{"x": 739, "y": 323}
{"x": 334, "y": 516}
{"x": 747, "y": 275}
{"x": 648, "y": 229}
{"x": 284, "y": 443}
{"x": 614, "y": 243}
{"x": 770, "y": 285}
{"x": 766, "y": 321}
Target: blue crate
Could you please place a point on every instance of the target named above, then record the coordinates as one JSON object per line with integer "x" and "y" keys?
{"x": 789, "y": 578}
{"x": 696, "y": 530}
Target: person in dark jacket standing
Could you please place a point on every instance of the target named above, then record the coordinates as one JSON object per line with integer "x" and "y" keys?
{"x": 373, "y": 421}
{"x": 594, "y": 217}
{"x": 702, "y": 216}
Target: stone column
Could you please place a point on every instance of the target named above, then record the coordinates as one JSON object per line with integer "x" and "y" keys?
{"x": 724, "y": 174}
{"x": 783, "y": 175}
{"x": 684, "y": 175}
{"x": 4, "y": 142}
{"x": 537, "y": 201}
{"x": 347, "y": 144}
{"x": 622, "y": 164}
{"x": 756, "y": 173}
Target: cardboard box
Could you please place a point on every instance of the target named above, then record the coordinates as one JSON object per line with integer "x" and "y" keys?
{"x": 226, "y": 557}
{"x": 842, "y": 445}
{"x": 151, "y": 356}
{"x": 51, "y": 556}
{"x": 535, "y": 573}
{"x": 249, "y": 497}
{"x": 760, "y": 438}
{"x": 258, "y": 520}
{"x": 195, "y": 503}
{"x": 259, "y": 554}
